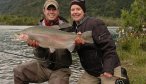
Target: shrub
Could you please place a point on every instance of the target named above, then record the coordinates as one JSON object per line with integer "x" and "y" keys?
{"x": 143, "y": 46}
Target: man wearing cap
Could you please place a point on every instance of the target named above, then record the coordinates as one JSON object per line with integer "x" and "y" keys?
{"x": 51, "y": 67}
{"x": 99, "y": 59}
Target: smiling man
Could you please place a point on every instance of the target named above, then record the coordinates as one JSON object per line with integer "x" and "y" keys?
{"x": 51, "y": 14}
{"x": 99, "y": 59}
{"x": 51, "y": 67}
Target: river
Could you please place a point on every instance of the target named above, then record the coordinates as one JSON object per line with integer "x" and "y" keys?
{"x": 13, "y": 53}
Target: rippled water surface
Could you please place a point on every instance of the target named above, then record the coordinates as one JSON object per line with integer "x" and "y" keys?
{"x": 13, "y": 53}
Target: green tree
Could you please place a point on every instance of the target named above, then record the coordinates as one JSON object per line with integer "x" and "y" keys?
{"x": 134, "y": 17}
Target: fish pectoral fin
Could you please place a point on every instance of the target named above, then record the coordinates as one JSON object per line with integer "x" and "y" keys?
{"x": 52, "y": 50}
{"x": 71, "y": 47}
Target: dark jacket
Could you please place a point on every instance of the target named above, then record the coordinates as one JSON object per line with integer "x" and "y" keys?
{"x": 100, "y": 56}
{"x": 60, "y": 58}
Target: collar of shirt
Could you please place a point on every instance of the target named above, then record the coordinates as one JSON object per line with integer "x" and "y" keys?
{"x": 50, "y": 23}
{"x": 83, "y": 20}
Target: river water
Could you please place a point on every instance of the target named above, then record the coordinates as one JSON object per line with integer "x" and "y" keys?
{"x": 13, "y": 53}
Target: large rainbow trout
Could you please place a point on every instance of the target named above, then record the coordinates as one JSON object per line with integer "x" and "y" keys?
{"x": 51, "y": 37}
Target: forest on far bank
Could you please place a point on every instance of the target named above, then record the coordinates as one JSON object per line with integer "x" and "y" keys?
{"x": 106, "y": 8}
{"x": 29, "y": 12}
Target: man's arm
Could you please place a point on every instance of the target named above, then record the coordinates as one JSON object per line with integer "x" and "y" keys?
{"x": 104, "y": 41}
{"x": 38, "y": 51}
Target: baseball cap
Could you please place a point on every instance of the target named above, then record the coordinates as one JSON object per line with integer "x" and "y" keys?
{"x": 51, "y": 2}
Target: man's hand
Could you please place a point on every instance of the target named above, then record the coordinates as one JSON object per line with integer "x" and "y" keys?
{"x": 32, "y": 43}
{"x": 106, "y": 74}
{"x": 79, "y": 40}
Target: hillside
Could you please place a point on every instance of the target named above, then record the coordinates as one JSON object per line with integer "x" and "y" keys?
{"x": 21, "y": 7}
{"x": 109, "y": 8}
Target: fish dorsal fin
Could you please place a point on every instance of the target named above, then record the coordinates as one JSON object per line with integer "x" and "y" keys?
{"x": 65, "y": 25}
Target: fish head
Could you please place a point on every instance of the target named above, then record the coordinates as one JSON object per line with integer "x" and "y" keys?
{"x": 21, "y": 36}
